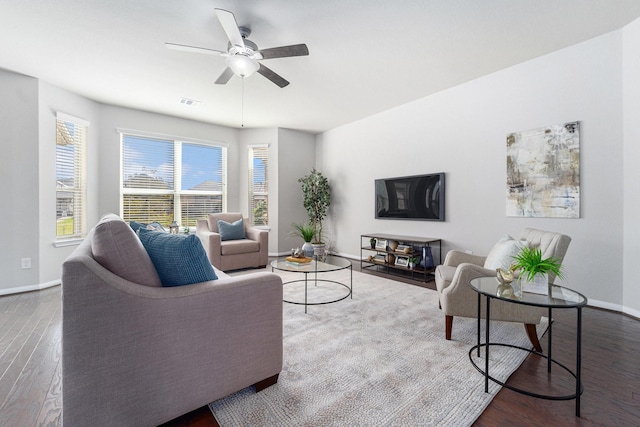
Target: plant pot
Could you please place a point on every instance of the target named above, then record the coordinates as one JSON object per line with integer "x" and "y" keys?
{"x": 308, "y": 249}
{"x": 319, "y": 249}
{"x": 539, "y": 284}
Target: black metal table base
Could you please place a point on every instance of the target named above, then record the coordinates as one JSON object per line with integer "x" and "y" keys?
{"x": 487, "y": 344}
{"x": 316, "y": 281}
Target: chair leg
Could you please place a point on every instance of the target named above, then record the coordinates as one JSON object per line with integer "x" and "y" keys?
{"x": 533, "y": 336}
{"x": 448, "y": 320}
{"x": 267, "y": 382}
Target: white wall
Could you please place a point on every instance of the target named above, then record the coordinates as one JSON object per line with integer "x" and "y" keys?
{"x": 19, "y": 176}
{"x": 296, "y": 158}
{"x": 462, "y": 132}
{"x": 631, "y": 102}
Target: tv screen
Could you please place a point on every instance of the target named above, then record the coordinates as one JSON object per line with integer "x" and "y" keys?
{"x": 418, "y": 197}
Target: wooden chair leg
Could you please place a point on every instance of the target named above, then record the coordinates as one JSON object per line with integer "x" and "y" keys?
{"x": 448, "y": 321}
{"x": 533, "y": 336}
{"x": 267, "y": 382}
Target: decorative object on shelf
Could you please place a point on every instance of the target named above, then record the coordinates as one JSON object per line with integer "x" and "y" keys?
{"x": 380, "y": 259}
{"x": 316, "y": 198}
{"x": 426, "y": 260}
{"x": 174, "y": 227}
{"x": 403, "y": 249}
{"x": 391, "y": 259}
{"x": 381, "y": 245}
{"x": 402, "y": 261}
{"x": 543, "y": 172}
{"x": 534, "y": 270}
{"x": 372, "y": 241}
{"x": 393, "y": 245}
{"x": 413, "y": 261}
{"x": 306, "y": 232}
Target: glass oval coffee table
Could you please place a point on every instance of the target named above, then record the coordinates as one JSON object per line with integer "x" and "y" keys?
{"x": 314, "y": 268}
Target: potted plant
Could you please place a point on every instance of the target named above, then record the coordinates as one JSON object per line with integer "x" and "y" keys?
{"x": 534, "y": 271}
{"x": 413, "y": 261}
{"x": 316, "y": 198}
{"x": 306, "y": 232}
{"x": 372, "y": 241}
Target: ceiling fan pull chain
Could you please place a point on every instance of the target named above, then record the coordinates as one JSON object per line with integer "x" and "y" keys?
{"x": 242, "y": 108}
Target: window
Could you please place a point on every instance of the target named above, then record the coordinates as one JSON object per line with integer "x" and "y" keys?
{"x": 71, "y": 141}
{"x": 165, "y": 180}
{"x": 258, "y": 185}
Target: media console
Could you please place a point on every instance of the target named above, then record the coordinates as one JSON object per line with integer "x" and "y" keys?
{"x": 391, "y": 254}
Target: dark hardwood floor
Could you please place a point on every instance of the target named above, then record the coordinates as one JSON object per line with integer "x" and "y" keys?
{"x": 30, "y": 370}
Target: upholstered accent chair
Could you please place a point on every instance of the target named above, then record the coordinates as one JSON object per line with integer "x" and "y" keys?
{"x": 459, "y": 268}
{"x": 244, "y": 248}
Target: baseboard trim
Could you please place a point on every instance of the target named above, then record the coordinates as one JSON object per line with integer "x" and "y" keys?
{"x": 29, "y": 288}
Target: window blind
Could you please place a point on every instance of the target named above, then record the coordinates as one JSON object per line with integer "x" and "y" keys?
{"x": 259, "y": 185}
{"x": 71, "y": 140}
{"x": 169, "y": 180}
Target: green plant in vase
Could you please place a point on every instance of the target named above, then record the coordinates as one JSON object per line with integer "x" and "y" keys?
{"x": 306, "y": 232}
{"x": 529, "y": 262}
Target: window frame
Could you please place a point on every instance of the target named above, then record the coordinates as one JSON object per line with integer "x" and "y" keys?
{"x": 176, "y": 192}
{"x": 251, "y": 193}
{"x": 79, "y": 187}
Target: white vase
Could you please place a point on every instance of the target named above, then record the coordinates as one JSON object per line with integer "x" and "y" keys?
{"x": 308, "y": 249}
{"x": 539, "y": 284}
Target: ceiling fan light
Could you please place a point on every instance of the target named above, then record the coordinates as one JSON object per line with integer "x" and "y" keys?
{"x": 241, "y": 65}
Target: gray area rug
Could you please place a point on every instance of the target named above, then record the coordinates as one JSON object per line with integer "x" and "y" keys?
{"x": 379, "y": 359}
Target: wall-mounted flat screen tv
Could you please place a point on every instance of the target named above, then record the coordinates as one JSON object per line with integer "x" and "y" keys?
{"x": 418, "y": 197}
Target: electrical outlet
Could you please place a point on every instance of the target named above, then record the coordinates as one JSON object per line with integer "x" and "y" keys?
{"x": 26, "y": 263}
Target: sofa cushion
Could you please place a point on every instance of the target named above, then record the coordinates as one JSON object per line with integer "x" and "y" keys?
{"x": 234, "y": 247}
{"x": 117, "y": 248}
{"x": 179, "y": 258}
{"x": 502, "y": 253}
{"x": 231, "y": 231}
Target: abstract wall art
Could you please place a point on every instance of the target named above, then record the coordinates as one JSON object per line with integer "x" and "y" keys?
{"x": 543, "y": 172}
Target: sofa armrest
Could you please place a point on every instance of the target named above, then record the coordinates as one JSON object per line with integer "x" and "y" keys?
{"x": 210, "y": 241}
{"x": 455, "y": 258}
{"x": 257, "y": 234}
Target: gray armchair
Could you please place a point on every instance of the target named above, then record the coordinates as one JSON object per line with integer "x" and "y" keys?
{"x": 252, "y": 251}
{"x": 458, "y": 299}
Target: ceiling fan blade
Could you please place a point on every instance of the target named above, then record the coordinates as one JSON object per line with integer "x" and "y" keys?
{"x": 193, "y": 49}
{"x": 271, "y": 75}
{"x": 284, "y": 51}
{"x": 225, "y": 76}
{"x": 230, "y": 27}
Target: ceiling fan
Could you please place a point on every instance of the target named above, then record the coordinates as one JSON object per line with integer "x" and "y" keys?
{"x": 242, "y": 54}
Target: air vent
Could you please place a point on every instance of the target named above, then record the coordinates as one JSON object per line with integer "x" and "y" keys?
{"x": 189, "y": 102}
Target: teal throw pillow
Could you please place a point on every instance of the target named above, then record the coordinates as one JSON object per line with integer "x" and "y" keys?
{"x": 234, "y": 231}
{"x": 179, "y": 259}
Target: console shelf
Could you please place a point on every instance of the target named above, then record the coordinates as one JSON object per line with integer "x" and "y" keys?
{"x": 383, "y": 257}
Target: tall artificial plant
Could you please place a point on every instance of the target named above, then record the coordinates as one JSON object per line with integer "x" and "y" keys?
{"x": 316, "y": 198}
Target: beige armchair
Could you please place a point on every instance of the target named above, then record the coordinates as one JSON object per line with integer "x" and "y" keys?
{"x": 252, "y": 251}
{"x": 458, "y": 299}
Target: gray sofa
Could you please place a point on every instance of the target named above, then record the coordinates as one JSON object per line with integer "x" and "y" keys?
{"x": 136, "y": 354}
{"x": 252, "y": 251}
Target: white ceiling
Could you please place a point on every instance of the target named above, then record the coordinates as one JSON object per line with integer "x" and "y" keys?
{"x": 366, "y": 56}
